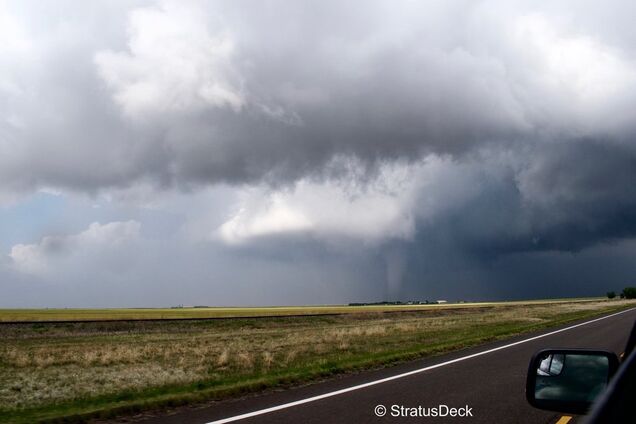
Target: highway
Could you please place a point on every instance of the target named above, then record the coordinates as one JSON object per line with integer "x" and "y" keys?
{"x": 486, "y": 381}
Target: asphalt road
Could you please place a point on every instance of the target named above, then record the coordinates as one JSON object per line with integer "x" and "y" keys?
{"x": 491, "y": 384}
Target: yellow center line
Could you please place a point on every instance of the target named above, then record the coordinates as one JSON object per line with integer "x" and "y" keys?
{"x": 564, "y": 419}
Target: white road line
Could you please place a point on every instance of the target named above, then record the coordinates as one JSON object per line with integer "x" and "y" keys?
{"x": 406, "y": 374}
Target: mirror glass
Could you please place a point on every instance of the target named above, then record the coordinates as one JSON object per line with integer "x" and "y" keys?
{"x": 571, "y": 377}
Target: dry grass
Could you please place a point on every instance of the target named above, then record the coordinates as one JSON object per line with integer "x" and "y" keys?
{"x": 45, "y": 363}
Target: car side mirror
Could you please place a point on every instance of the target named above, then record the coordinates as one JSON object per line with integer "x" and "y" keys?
{"x": 568, "y": 380}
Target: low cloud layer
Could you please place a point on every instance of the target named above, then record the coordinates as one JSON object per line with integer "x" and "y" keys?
{"x": 381, "y": 133}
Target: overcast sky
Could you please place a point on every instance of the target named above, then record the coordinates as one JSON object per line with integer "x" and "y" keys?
{"x": 157, "y": 153}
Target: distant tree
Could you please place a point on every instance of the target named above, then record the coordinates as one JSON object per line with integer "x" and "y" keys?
{"x": 629, "y": 293}
{"x": 611, "y": 295}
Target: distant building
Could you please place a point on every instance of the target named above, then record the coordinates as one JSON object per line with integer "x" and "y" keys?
{"x": 439, "y": 302}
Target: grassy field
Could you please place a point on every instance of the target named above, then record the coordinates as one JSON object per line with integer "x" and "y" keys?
{"x": 100, "y": 369}
{"x": 9, "y": 315}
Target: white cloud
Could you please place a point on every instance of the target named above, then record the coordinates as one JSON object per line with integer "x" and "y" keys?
{"x": 278, "y": 217}
{"x": 37, "y": 258}
{"x": 582, "y": 80}
{"x": 173, "y": 64}
{"x": 373, "y": 211}
{"x": 110, "y": 234}
{"x": 588, "y": 68}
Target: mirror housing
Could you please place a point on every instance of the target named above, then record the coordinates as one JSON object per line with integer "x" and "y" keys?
{"x": 568, "y": 380}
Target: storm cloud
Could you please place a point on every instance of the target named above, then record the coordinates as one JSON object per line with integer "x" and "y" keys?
{"x": 433, "y": 144}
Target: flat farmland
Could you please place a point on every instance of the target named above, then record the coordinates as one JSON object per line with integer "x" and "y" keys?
{"x": 99, "y": 369}
{"x": 21, "y": 315}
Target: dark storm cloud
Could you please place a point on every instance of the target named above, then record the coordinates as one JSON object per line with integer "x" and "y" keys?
{"x": 527, "y": 107}
{"x": 581, "y": 192}
{"x": 553, "y": 196}
{"x": 200, "y": 93}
